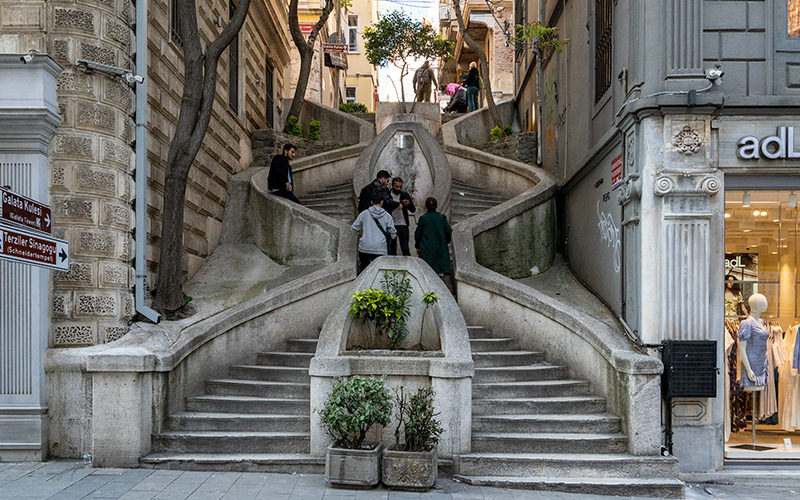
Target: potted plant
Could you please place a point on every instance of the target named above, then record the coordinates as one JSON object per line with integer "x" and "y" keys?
{"x": 387, "y": 309}
{"x": 355, "y": 404}
{"x": 411, "y": 464}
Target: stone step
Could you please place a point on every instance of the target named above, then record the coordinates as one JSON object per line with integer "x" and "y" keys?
{"x": 466, "y": 204}
{"x": 298, "y": 374}
{"x": 197, "y": 421}
{"x": 618, "y": 486}
{"x": 540, "y": 371}
{"x": 294, "y": 359}
{"x": 567, "y": 465}
{"x": 258, "y": 388}
{"x": 479, "y": 332}
{"x": 539, "y": 405}
{"x": 591, "y": 424}
{"x": 494, "y": 344}
{"x": 530, "y": 442}
{"x": 239, "y": 462}
{"x": 244, "y": 404}
{"x": 530, "y": 389}
{"x": 231, "y": 442}
{"x": 301, "y": 345}
{"x": 506, "y": 358}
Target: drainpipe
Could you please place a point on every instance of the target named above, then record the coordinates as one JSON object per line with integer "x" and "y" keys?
{"x": 141, "y": 165}
{"x": 539, "y": 77}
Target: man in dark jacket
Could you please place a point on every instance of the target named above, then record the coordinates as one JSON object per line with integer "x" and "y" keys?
{"x": 400, "y": 217}
{"x": 280, "y": 180}
{"x": 381, "y": 186}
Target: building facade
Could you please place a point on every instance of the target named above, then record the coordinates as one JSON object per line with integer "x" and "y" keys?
{"x": 362, "y": 78}
{"x": 108, "y": 138}
{"x": 671, "y": 128}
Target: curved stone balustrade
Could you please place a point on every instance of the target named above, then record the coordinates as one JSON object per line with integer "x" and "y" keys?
{"x": 448, "y": 370}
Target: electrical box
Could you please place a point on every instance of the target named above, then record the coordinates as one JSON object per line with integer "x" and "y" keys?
{"x": 690, "y": 369}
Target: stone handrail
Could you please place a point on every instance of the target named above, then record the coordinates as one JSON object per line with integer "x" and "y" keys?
{"x": 335, "y": 125}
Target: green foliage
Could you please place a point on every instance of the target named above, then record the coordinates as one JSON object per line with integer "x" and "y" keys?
{"x": 428, "y": 299}
{"x": 397, "y": 284}
{"x": 352, "y": 107}
{"x": 416, "y": 417}
{"x": 313, "y": 130}
{"x": 356, "y": 404}
{"x": 387, "y": 308}
{"x": 508, "y": 130}
{"x": 292, "y": 127}
{"x": 540, "y": 36}
{"x": 396, "y": 37}
{"x": 496, "y": 134}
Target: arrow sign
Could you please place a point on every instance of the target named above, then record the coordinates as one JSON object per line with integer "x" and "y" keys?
{"x": 18, "y": 209}
{"x": 35, "y": 249}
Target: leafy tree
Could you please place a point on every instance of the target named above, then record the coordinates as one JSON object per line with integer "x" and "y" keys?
{"x": 199, "y": 89}
{"x": 306, "y": 48}
{"x": 396, "y": 37}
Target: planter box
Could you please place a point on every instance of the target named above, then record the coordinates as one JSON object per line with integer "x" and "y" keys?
{"x": 360, "y": 468}
{"x": 410, "y": 470}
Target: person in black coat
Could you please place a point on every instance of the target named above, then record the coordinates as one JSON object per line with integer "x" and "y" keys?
{"x": 473, "y": 83}
{"x": 400, "y": 217}
{"x": 280, "y": 180}
{"x": 380, "y": 186}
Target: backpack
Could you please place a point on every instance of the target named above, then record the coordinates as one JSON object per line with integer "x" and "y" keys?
{"x": 423, "y": 76}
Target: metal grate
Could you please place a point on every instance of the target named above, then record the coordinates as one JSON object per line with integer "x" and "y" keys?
{"x": 690, "y": 368}
{"x": 602, "y": 47}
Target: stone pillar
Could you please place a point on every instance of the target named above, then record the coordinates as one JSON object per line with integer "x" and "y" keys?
{"x": 681, "y": 264}
{"x": 683, "y": 21}
{"x": 28, "y": 117}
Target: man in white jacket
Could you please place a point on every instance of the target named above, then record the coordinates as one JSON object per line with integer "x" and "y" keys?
{"x": 375, "y": 224}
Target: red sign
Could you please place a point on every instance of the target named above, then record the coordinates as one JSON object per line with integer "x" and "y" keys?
{"x": 31, "y": 248}
{"x": 616, "y": 172}
{"x": 334, "y": 47}
{"x": 306, "y": 28}
{"x": 24, "y": 211}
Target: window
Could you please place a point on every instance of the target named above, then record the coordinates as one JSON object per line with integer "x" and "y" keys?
{"x": 270, "y": 99}
{"x": 175, "y": 23}
{"x": 352, "y": 33}
{"x": 350, "y": 94}
{"x": 602, "y": 48}
{"x": 233, "y": 67}
{"x": 793, "y": 24}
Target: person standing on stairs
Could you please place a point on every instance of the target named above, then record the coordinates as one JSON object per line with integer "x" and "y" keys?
{"x": 381, "y": 186}
{"x": 432, "y": 237}
{"x": 400, "y": 217}
{"x": 473, "y": 83}
{"x": 280, "y": 180}
{"x": 376, "y": 228}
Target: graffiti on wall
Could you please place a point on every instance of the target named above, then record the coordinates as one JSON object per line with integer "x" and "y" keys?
{"x": 609, "y": 236}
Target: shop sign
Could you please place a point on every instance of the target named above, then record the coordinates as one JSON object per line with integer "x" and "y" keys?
{"x": 616, "y": 172}
{"x": 774, "y": 147}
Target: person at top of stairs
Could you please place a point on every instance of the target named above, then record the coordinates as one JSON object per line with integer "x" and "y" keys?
{"x": 381, "y": 186}
{"x": 375, "y": 224}
{"x": 400, "y": 217}
{"x": 280, "y": 180}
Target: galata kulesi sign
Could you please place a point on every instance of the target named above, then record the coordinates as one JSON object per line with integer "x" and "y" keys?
{"x": 774, "y": 147}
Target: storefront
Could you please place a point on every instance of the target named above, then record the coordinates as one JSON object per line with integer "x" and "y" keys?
{"x": 761, "y": 224}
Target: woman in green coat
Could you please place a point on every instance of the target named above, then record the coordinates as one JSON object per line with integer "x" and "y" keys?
{"x": 432, "y": 237}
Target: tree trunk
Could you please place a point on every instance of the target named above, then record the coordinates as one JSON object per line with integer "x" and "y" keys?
{"x": 484, "y": 64}
{"x": 200, "y": 84}
{"x": 306, "y": 49}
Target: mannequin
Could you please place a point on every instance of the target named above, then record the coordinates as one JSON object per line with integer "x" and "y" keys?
{"x": 753, "y": 335}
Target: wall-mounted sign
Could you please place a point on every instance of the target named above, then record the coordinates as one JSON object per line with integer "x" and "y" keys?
{"x": 24, "y": 211}
{"x": 332, "y": 48}
{"x": 31, "y": 248}
{"x": 774, "y": 147}
{"x": 306, "y": 28}
{"x": 616, "y": 172}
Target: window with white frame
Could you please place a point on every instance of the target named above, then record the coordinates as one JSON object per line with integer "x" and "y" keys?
{"x": 350, "y": 94}
{"x": 352, "y": 33}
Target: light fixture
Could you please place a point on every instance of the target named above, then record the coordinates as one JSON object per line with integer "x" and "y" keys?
{"x": 746, "y": 230}
{"x": 746, "y": 199}
{"x": 763, "y": 213}
{"x": 756, "y": 212}
{"x": 727, "y": 215}
{"x": 793, "y": 200}
{"x": 776, "y": 220}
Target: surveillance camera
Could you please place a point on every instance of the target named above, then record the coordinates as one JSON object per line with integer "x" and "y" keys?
{"x": 102, "y": 68}
{"x": 26, "y": 58}
{"x": 714, "y": 73}
{"x": 132, "y": 79}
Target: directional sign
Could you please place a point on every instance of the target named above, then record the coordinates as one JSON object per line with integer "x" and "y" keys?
{"x": 31, "y": 248}
{"x": 331, "y": 48}
{"x": 24, "y": 211}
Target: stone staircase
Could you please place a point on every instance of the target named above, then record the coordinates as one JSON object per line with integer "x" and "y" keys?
{"x": 335, "y": 201}
{"x": 534, "y": 427}
{"x": 467, "y": 200}
{"x": 256, "y": 419}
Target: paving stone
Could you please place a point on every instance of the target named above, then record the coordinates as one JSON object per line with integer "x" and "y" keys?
{"x": 183, "y": 486}
{"x": 158, "y": 480}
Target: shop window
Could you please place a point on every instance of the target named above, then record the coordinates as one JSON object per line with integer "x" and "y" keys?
{"x": 793, "y": 18}
{"x": 761, "y": 256}
{"x": 352, "y": 33}
{"x": 175, "y": 23}
{"x": 350, "y": 94}
{"x": 233, "y": 67}
{"x": 602, "y": 48}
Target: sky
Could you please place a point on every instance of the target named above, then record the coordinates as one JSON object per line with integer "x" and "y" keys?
{"x": 417, "y": 9}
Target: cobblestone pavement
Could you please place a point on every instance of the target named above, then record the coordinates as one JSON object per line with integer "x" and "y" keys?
{"x": 63, "y": 480}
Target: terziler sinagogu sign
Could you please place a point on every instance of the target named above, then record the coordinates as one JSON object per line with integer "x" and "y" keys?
{"x": 774, "y": 147}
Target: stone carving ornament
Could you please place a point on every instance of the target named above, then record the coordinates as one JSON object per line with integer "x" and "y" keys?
{"x": 687, "y": 141}
{"x": 677, "y": 183}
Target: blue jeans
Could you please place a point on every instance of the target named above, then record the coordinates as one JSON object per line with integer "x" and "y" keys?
{"x": 472, "y": 98}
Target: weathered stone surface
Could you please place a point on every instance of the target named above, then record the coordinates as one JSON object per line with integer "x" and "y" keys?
{"x": 116, "y": 214}
{"x": 73, "y": 334}
{"x": 79, "y": 273}
{"x": 60, "y": 304}
{"x": 75, "y": 19}
{"x": 73, "y": 145}
{"x": 71, "y": 81}
{"x": 114, "y": 274}
{"x": 112, "y": 333}
{"x": 96, "y": 180}
{"x": 118, "y": 32}
{"x": 98, "y": 53}
{"x": 97, "y": 242}
{"x": 96, "y": 116}
{"x": 116, "y": 153}
{"x": 73, "y": 208}
{"x": 95, "y": 305}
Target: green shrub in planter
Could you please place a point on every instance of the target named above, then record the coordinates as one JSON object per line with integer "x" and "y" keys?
{"x": 508, "y": 130}
{"x": 356, "y": 404}
{"x": 417, "y": 426}
{"x": 386, "y": 308}
{"x": 292, "y": 127}
{"x": 496, "y": 134}
{"x": 313, "y": 130}
{"x": 352, "y": 107}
